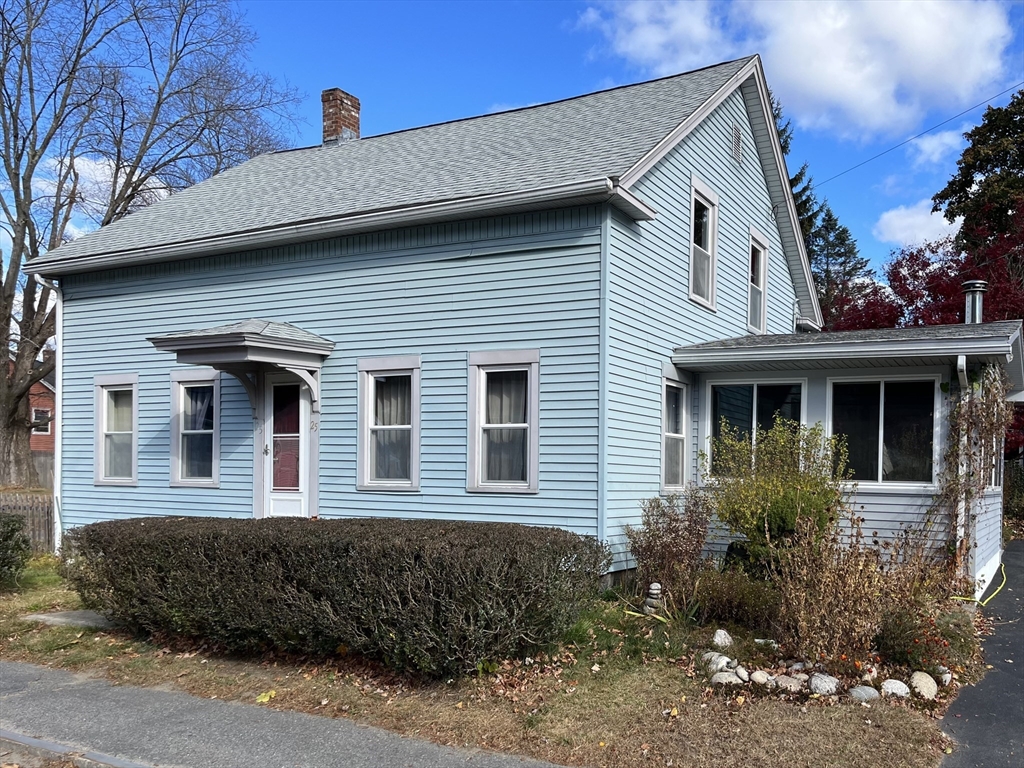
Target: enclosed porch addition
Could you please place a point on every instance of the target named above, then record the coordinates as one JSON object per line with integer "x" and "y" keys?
{"x": 279, "y": 367}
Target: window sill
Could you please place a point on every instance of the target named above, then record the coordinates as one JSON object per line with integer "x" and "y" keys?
{"x": 708, "y": 305}
{"x": 501, "y": 489}
{"x": 387, "y": 488}
{"x": 195, "y": 484}
{"x": 133, "y": 483}
{"x": 755, "y": 331}
{"x": 878, "y": 487}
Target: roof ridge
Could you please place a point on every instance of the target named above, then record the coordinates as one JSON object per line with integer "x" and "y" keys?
{"x": 518, "y": 109}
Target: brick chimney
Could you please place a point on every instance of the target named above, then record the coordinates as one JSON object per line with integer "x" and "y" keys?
{"x": 341, "y": 116}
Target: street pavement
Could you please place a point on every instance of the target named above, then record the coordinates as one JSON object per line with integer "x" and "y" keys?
{"x": 140, "y": 727}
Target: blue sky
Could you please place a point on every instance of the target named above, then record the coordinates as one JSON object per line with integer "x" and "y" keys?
{"x": 856, "y": 78}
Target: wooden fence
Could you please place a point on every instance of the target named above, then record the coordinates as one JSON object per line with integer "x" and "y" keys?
{"x": 37, "y": 509}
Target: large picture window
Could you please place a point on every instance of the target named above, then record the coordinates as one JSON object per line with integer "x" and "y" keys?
{"x": 117, "y": 427}
{"x": 389, "y": 419}
{"x": 674, "y": 438}
{"x": 749, "y": 408}
{"x": 195, "y": 427}
{"x": 703, "y": 237}
{"x": 889, "y": 428}
{"x": 503, "y": 421}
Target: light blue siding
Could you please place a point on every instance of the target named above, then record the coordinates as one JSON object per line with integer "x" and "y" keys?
{"x": 529, "y": 281}
{"x": 650, "y": 311}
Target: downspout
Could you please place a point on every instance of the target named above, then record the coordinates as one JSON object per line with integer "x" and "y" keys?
{"x": 961, "y": 371}
{"x": 58, "y": 411}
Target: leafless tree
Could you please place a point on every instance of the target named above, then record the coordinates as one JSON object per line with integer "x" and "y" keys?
{"x": 108, "y": 105}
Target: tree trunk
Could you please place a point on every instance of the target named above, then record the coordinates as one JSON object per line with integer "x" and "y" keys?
{"x": 16, "y": 466}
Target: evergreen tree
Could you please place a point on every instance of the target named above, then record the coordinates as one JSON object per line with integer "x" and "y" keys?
{"x": 807, "y": 208}
{"x": 842, "y": 276}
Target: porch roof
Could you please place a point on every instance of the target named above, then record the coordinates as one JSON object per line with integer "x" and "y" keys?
{"x": 248, "y": 341}
{"x": 998, "y": 342}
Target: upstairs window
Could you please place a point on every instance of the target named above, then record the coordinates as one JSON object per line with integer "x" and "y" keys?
{"x": 889, "y": 429}
{"x": 758, "y": 278}
{"x": 389, "y": 420}
{"x": 41, "y": 415}
{"x": 703, "y": 238}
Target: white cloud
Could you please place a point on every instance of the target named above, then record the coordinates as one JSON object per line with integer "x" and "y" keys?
{"x": 857, "y": 68}
{"x": 912, "y": 225}
{"x": 937, "y": 148}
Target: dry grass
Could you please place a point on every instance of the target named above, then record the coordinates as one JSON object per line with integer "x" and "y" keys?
{"x": 558, "y": 708}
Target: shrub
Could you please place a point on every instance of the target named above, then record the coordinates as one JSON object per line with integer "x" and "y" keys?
{"x": 429, "y": 596}
{"x": 15, "y": 547}
{"x": 829, "y": 586}
{"x": 1013, "y": 491}
{"x": 736, "y": 597}
{"x": 761, "y": 489}
{"x": 924, "y": 637}
{"x": 669, "y": 543}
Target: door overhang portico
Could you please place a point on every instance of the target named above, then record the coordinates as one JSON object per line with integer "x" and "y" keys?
{"x": 255, "y": 352}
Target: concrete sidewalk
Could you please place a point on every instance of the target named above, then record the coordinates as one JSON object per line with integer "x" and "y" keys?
{"x": 133, "y": 727}
{"x": 987, "y": 719}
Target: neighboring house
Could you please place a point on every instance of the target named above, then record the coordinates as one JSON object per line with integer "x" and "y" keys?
{"x": 42, "y": 410}
{"x": 500, "y": 318}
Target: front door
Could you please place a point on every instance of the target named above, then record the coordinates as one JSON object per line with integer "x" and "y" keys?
{"x": 286, "y": 448}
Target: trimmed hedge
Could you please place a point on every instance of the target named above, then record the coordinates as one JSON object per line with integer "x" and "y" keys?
{"x": 434, "y": 597}
{"x": 15, "y": 547}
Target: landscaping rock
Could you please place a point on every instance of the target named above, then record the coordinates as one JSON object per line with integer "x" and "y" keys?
{"x": 716, "y": 662}
{"x": 895, "y": 688}
{"x": 788, "y": 683}
{"x": 863, "y": 693}
{"x": 825, "y": 685}
{"x": 707, "y": 657}
{"x": 798, "y": 667}
{"x": 89, "y": 619}
{"x": 760, "y": 677}
{"x": 722, "y": 639}
{"x": 742, "y": 673}
{"x": 725, "y": 678}
{"x": 924, "y": 685}
{"x": 733, "y": 663}
{"x": 770, "y": 643}
{"x": 945, "y": 676}
{"x": 800, "y": 676}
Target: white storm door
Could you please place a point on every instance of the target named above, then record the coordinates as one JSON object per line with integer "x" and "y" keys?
{"x": 286, "y": 448}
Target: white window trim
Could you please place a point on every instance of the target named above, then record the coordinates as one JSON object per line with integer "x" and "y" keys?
{"x": 369, "y": 367}
{"x": 506, "y": 360}
{"x": 100, "y": 386}
{"x": 767, "y": 380}
{"x": 701, "y": 191}
{"x": 180, "y": 379}
{"x": 45, "y": 429}
{"x": 759, "y": 241}
{"x": 666, "y": 382}
{"x": 876, "y": 485}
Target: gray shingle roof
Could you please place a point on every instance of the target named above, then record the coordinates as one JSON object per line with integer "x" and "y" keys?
{"x": 795, "y": 340}
{"x": 594, "y": 136}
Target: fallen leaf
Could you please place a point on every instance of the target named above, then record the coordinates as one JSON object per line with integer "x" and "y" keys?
{"x": 596, "y": 668}
{"x": 674, "y": 712}
{"x": 460, "y": 705}
{"x": 266, "y": 696}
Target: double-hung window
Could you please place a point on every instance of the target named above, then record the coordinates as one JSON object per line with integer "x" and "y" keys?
{"x": 117, "y": 429}
{"x": 703, "y": 237}
{"x": 889, "y": 426}
{"x": 758, "y": 278}
{"x": 674, "y": 437}
{"x": 751, "y": 408}
{"x": 195, "y": 427}
{"x": 389, "y": 423}
{"x": 504, "y": 413}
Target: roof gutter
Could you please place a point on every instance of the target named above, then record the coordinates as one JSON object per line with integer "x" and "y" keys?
{"x": 596, "y": 190}
{"x": 696, "y": 359}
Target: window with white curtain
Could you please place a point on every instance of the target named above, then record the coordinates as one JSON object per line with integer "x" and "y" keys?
{"x": 389, "y": 423}
{"x": 704, "y": 234}
{"x": 674, "y": 437}
{"x": 503, "y": 421}
{"x": 117, "y": 429}
{"x": 195, "y": 427}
